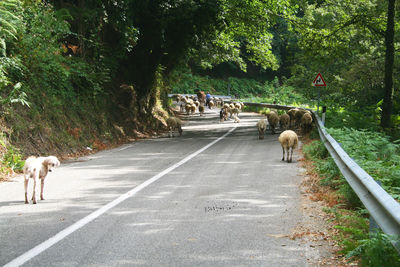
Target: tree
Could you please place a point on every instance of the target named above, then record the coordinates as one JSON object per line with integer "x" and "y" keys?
{"x": 149, "y": 37}
{"x": 389, "y": 60}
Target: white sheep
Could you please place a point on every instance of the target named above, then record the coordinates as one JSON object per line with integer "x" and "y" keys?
{"x": 289, "y": 141}
{"x": 261, "y": 126}
{"x": 174, "y": 123}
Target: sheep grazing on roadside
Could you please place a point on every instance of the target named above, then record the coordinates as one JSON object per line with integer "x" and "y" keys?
{"x": 289, "y": 141}
{"x": 306, "y": 122}
{"x": 173, "y": 124}
{"x": 262, "y": 127}
{"x": 273, "y": 120}
{"x": 284, "y": 120}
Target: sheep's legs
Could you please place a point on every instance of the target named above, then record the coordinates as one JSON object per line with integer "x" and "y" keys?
{"x": 283, "y": 154}
{"x": 26, "y": 189}
{"x": 34, "y": 191}
{"x": 41, "y": 188}
{"x": 287, "y": 154}
{"x": 291, "y": 154}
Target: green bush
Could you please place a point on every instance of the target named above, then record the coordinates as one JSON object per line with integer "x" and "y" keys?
{"x": 376, "y": 250}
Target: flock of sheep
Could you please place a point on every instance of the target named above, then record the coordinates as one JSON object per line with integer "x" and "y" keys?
{"x": 191, "y": 103}
{"x": 294, "y": 118}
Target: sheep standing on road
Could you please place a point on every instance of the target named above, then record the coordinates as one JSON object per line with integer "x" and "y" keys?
{"x": 284, "y": 120}
{"x": 201, "y": 109}
{"x": 273, "y": 120}
{"x": 289, "y": 141}
{"x": 261, "y": 126}
{"x": 174, "y": 123}
{"x": 306, "y": 122}
{"x": 291, "y": 114}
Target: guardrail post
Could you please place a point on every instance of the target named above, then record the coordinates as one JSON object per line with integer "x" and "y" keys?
{"x": 323, "y": 115}
{"x": 373, "y": 226}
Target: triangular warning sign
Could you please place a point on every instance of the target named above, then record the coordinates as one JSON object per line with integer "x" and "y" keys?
{"x": 319, "y": 81}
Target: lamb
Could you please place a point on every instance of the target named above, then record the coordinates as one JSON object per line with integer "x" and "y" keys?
{"x": 291, "y": 114}
{"x": 261, "y": 126}
{"x": 289, "y": 141}
{"x": 284, "y": 120}
{"x": 273, "y": 120}
{"x": 38, "y": 168}
{"x": 174, "y": 123}
{"x": 306, "y": 122}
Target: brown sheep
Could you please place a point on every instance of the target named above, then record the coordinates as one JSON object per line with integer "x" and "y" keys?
{"x": 299, "y": 114}
{"x": 273, "y": 120}
{"x": 284, "y": 120}
{"x": 201, "y": 109}
{"x": 289, "y": 141}
{"x": 306, "y": 122}
{"x": 291, "y": 114}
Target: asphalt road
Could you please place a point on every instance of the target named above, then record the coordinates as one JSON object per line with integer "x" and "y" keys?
{"x": 217, "y": 196}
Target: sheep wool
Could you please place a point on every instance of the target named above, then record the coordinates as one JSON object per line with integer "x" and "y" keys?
{"x": 289, "y": 141}
{"x": 201, "y": 110}
{"x": 284, "y": 120}
{"x": 306, "y": 122}
{"x": 174, "y": 123}
{"x": 261, "y": 126}
{"x": 273, "y": 120}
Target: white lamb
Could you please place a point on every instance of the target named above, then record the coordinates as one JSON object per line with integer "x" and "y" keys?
{"x": 262, "y": 127}
{"x": 289, "y": 141}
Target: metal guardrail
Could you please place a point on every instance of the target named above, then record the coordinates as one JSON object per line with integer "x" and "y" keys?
{"x": 383, "y": 208}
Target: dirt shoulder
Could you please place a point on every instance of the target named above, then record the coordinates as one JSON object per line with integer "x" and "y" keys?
{"x": 316, "y": 229}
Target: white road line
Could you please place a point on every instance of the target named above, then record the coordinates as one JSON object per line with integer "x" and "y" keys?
{"x": 79, "y": 224}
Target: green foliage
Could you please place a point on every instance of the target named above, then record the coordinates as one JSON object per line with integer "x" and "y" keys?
{"x": 376, "y": 250}
{"x": 12, "y": 158}
{"x": 375, "y": 153}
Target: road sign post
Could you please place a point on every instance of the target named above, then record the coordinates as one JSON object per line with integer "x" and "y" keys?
{"x": 318, "y": 82}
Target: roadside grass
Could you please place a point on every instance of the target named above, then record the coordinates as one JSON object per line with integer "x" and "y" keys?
{"x": 350, "y": 217}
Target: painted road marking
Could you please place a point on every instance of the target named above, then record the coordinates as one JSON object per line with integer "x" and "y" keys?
{"x": 30, "y": 254}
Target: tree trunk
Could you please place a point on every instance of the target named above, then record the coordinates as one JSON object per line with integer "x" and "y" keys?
{"x": 389, "y": 59}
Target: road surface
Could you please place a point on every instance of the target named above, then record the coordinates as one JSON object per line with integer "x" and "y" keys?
{"x": 217, "y": 196}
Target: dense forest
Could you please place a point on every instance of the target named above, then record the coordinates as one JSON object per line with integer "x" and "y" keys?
{"x": 83, "y": 74}
{"x": 120, "y": 58}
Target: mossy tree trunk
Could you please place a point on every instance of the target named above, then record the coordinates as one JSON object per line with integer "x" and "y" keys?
{"x": 389, "y": 60}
